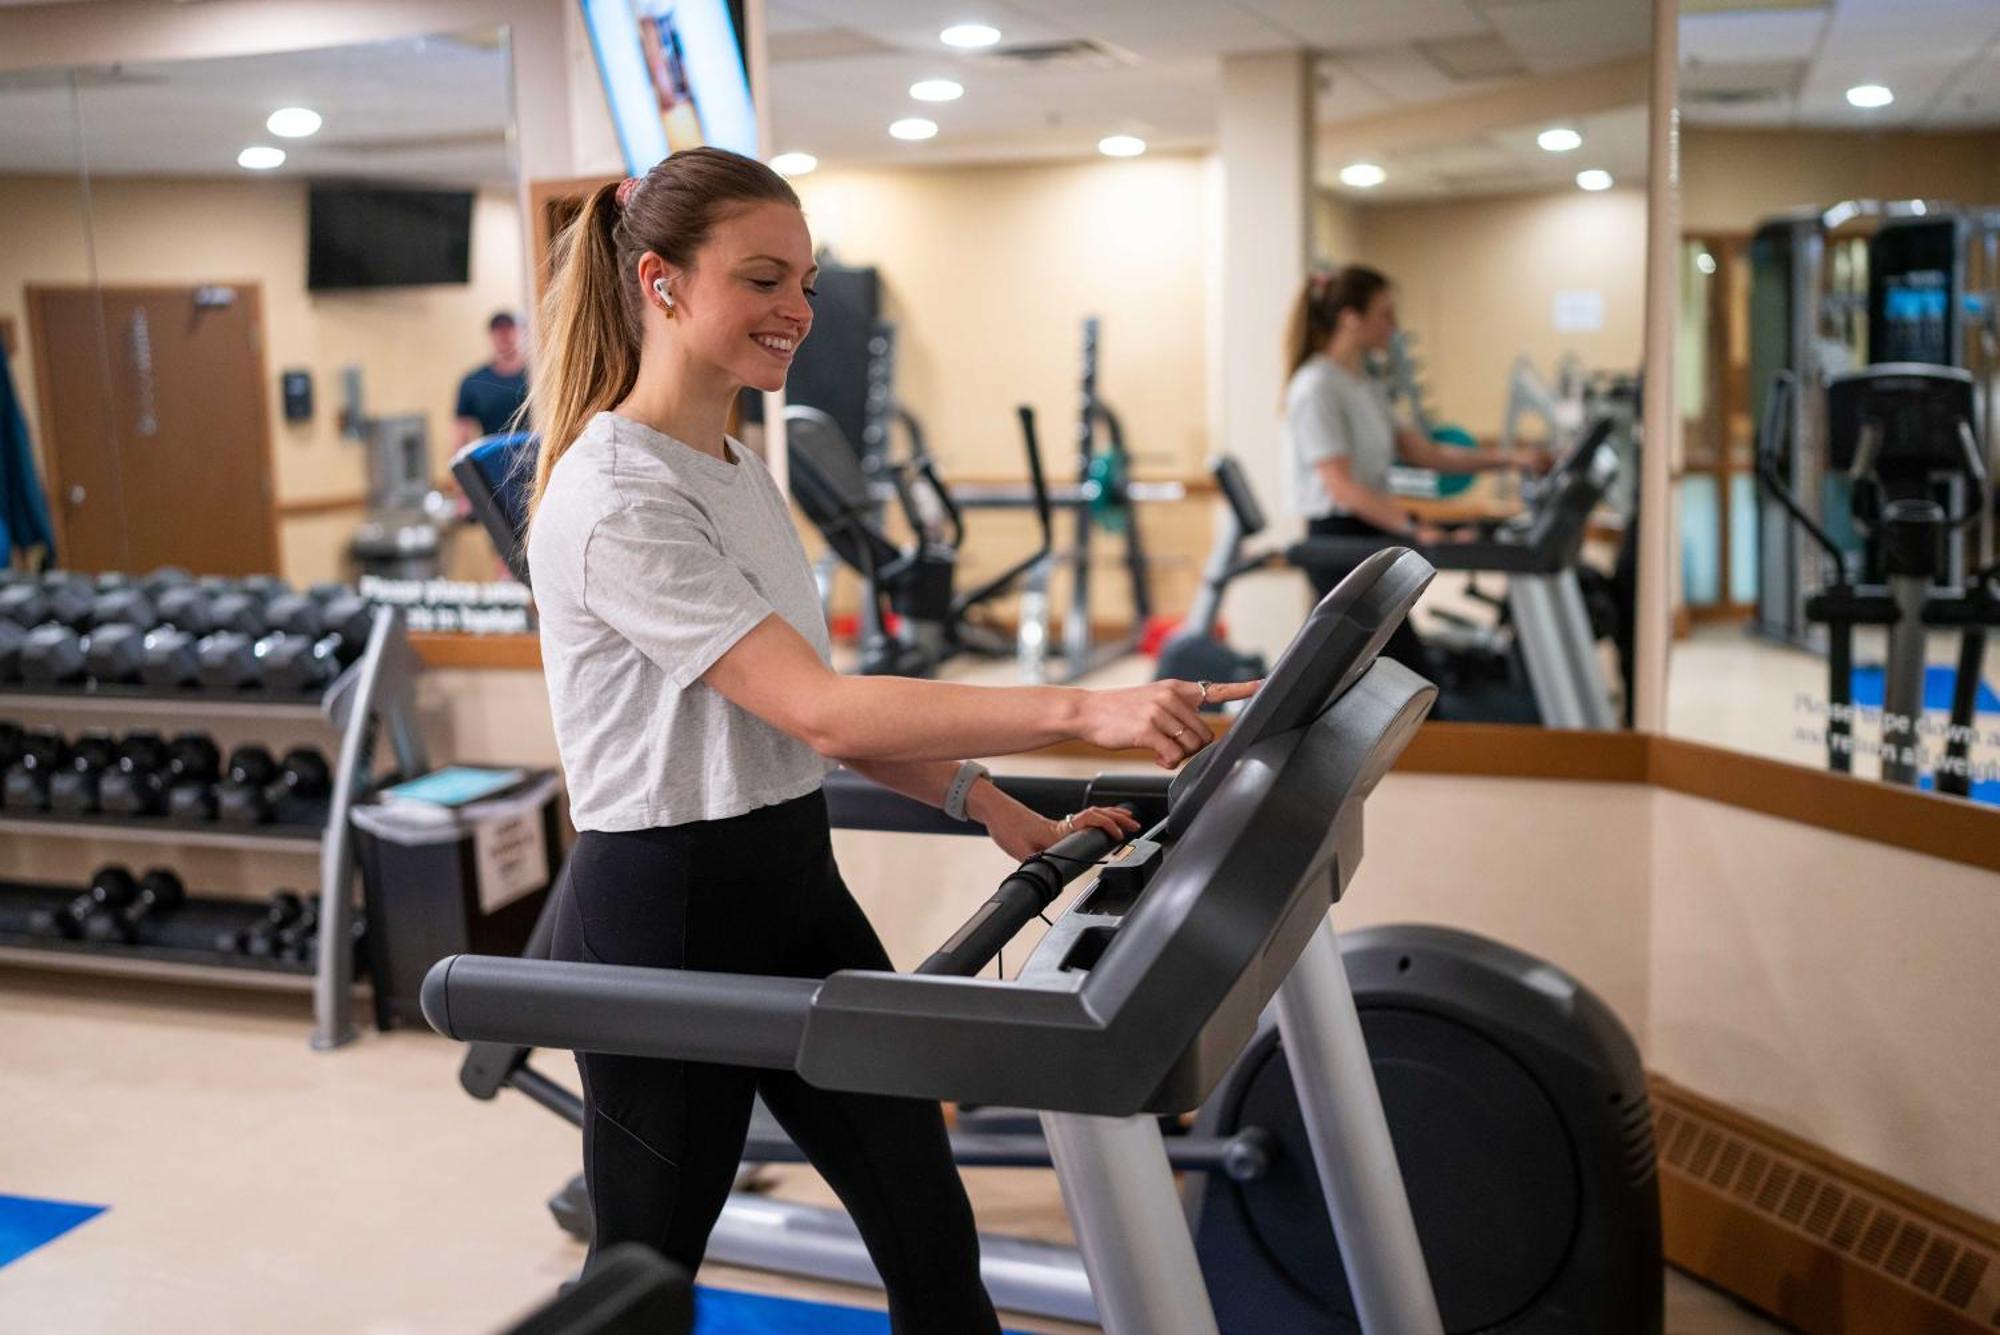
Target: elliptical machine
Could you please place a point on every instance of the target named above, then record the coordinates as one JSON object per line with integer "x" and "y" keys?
{"x": 912, "y": 616}
{"x": 1903, "y": 434}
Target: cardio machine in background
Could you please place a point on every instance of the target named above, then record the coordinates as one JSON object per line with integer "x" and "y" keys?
{"x": 1920, "y": 501}
{"x": 1514, "y": 1100}
{"x": 1536, "y": 663}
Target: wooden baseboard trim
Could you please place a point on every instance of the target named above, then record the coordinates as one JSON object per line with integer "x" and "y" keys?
{"x": 1820, "y": 1242}
{"x": 1508, "y": 751}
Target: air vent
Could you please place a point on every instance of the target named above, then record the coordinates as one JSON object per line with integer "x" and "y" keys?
{"x": 1730, "y": 97}
{"x": 1080, "y": 54}
{"x": 1840, "y": 1212}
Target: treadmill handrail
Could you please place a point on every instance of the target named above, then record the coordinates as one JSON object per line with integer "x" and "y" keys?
{"x": 737, "y": 1019}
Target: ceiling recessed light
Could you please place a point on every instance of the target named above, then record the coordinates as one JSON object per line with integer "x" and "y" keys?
{"x": 1121, "y": 146}
{"x": 261, "y": 157}
{"x": 1704, "y": 261}
{"x": 1594, "y": 178}
{"x": 793, "y": 164}
{"x": 293, "y": 122}
{"x": 1366, "y": 175}
{"x": 969, "y": 35}
{"x": 1869, "y": 95}
{"x": 913, "y": 127}
{"x": 937, "y": 90}
{"x": 1559, "y": 140}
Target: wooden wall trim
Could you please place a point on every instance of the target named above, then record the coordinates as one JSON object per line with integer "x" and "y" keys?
{"x": 484, "y": 652}
{"x": 1824, "y": 1243}
{"x": 320, "y": 505}
{"x": 1494, "y": 750}
{"x": 1951, "y": 828}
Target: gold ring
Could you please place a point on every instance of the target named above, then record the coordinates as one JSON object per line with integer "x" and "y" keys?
{"x": 1069, "y": 824}
{"x": 1203, "y": 702}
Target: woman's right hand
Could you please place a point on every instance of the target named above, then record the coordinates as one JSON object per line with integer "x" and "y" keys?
{"x": 1163, "y": 717}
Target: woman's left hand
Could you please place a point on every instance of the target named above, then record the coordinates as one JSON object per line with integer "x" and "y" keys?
{"x": 1022, "y": 833}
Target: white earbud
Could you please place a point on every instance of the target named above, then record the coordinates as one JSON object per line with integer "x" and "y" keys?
{"x": 660, "y": 289}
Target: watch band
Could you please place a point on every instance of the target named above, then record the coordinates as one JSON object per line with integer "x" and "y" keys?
{"x": 969, "y": 773}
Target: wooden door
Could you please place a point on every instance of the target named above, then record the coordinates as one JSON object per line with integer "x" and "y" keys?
{"x": 157, "y": 427}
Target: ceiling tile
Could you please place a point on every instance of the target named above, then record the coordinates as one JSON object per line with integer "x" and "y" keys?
{"x": 1554, "y": 35}
{"x": 1733, "y": 38}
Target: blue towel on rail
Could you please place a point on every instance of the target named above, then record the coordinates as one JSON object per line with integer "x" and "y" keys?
{"x": 24, "y": 507}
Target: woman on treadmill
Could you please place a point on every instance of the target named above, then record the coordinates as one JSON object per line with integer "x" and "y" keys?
{"x": 1341, "y": 436}
{"x": 696, "y": 715}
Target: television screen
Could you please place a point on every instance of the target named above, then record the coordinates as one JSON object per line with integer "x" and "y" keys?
{"x": 673, "y": 75}
{"x": 378, "y": 236}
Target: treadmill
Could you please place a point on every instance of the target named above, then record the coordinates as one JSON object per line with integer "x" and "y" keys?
{"x": 1538, "y": 551}
{"x": 1132, "y": 1007}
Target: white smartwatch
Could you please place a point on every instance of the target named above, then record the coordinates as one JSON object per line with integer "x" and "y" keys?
{"x": 969, "y": 773}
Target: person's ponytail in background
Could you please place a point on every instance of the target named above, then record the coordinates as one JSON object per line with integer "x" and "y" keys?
{"x": 1316, "y": 313}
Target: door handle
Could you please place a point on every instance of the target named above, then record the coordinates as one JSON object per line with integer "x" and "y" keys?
{"x": 76, "y": 495}
{"x": 141, "y": 337}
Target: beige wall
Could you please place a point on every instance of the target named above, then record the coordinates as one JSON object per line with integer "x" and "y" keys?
{"x": 412, "y": 344}
{"x": 43, "y": 239}
{"x": 1336, "y": 229}
{"x": 988, "y": 272}
{"x": 1475, "y": 279}
{"x": 1733, "y": 179}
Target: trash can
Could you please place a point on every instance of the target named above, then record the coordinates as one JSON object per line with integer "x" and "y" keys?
{"x": 442, "y": 881}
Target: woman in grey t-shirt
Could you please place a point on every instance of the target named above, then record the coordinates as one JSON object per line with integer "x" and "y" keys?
{"x": 696, "y": 715}
{"x": 1341, "y": 437}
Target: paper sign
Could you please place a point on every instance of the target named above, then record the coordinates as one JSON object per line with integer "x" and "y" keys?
{"x": 1579, "y": 310}
{"x": 513, "y": 858}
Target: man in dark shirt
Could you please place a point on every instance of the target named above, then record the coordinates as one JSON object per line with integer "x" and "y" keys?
{"x": 489, "y": 397}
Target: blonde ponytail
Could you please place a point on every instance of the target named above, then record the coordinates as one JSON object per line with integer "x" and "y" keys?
{"x": 588, "y": 352}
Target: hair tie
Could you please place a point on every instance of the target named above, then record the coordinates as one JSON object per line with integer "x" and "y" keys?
{"x": 625, "y": 189}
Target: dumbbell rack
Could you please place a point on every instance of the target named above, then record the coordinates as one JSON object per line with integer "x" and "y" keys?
{"x": 377, "y": 690}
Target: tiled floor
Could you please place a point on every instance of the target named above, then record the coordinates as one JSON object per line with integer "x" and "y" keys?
{"x": 254, "y": 1185}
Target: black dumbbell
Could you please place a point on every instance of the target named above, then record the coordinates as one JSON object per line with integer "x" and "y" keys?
{"x": 296, "y": 614}
{"x": 166, "y": 577}
{"x": 24, "y": 605}
{"x": 349, "y": 616}
{"x": 137, "y": 784}
{"x": 115, "y": 654}
{"x": 73, "y": 787}
{"x": 52, "y": 655}
{"x": 11, "y": 639}
{"x": 300, "y": 940}
{"x": 111, "y": 889}
{"x": 12, "y": 738}
{"x": 169, "y": 656}
{"x": 304, "y": 773}
{"x": 160, "y": 893}
{"x": 26, "y": 787}
{"x": 240, "y": 611}
{"x": 226, "y": 660}
{"x": 71, "y": 598}
{"x": 187, "y": 607}
{"x": 126, "y": 605}
{"x": 244, "y": 794}
{"x": 193, "y": 766}
{"x": 260, "y": 940}
{"x": 295, "y": 663}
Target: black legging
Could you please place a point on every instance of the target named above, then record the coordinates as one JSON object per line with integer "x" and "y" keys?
{"x": 1404, "y": 645}
{"x": 756, "y": 893}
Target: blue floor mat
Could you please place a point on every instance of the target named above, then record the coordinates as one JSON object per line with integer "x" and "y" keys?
{"x": 27, "y": 1223}
{"x": 1938, "y": 679}
{"x": 727, "y": 1312}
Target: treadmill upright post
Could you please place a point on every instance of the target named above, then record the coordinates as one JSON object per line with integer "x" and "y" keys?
{"x": 1130, "y": 1224}
{"x": 1342, "y": 1110}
